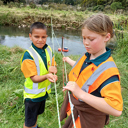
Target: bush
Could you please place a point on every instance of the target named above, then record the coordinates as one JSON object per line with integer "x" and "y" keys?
{"x": 116, "y": 5}
{"x": 98, "y": 7}
{"x": 63, "y": 7}
{"x": 59, "y": 6}
{"x": 82, "y": 9}
{"x": 10, "y": 5}
{"x": 90, "y": 8}
{"x": 101, "y": 2}
{"x": 17, "y": 4}
{"x": 107, "y": 9}
{"x": 23, "y": 5}
{"x": 32, "y": 5}
{"x": 1, "y": 2}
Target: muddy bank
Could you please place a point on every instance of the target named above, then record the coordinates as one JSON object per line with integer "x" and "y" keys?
{"x": 58, "y": 23}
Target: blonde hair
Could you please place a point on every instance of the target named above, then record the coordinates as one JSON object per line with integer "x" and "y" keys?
{"x": 100, "y": 24}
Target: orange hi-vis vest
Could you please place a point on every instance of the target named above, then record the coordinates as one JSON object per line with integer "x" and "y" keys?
{"x": 91, "y": 77}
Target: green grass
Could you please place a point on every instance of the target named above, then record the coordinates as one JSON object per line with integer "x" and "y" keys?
{"x": 11, "y": 86}
{"x": 12, "y": 81}
{"x": 121, "y": 59}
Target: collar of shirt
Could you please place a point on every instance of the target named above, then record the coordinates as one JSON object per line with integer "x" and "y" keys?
{"x": 39, "y": 50}
{"x": 42, "y": 53}
{"x": 100, "y": 58}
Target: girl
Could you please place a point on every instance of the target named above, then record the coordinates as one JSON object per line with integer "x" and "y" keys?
{"x": 94, "y": 79}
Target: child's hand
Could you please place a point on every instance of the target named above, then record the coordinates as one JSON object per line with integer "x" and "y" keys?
{"x": 52, "y": 69}
{"x": 66, "y": 59}
{"x": 74, "y": 88}
{"x": 51, "y": 77}
{"x": 69, "y": 61}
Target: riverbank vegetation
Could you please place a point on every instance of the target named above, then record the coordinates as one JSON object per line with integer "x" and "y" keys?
{"x": 12, "y": 81}
{"x": 63, "y": 16}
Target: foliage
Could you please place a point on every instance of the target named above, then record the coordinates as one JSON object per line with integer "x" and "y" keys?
{"x": 4, "y": 19}
{"x": 83, "y": 3}
{"x": 98, "y": 7}
{"x": 107, "y": 9}
{"x": 116, "y": 5}
{"x": 70, "y": 2}
{"x": 11, "y": 4}
{"x": 102, "y": 2}
{"x": 17, "y": 4}
{"x": 89, "y": 3}
{"x": 32, "y": 5}
{"x": 42, "y": 1}
{"x": 59, "y": 6}
{"x": 1, "y": 2}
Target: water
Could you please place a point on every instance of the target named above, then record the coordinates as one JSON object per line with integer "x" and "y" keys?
{"x": 13, "y": 36}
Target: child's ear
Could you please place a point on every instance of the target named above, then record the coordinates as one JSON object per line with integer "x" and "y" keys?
{"x": 107, "y": 38}
{"x": 30, "y": 36}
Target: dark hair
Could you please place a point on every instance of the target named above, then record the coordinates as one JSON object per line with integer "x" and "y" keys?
{"x": 100, "y": 24}
{"x": 37, "y": 25}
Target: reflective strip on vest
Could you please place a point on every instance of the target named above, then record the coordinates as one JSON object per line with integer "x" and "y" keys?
{"x": 35, "y": 89}
{"x": 50, "y": 54}
{"x": 49, "y": 87}
{"x": 36, "y": 59}
{"x": 77, "y": 61}
{"x": 97, "y": 73}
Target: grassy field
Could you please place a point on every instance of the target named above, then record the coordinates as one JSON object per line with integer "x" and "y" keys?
{"x": 12, "y": 80}
{"x": 11, "y": 86}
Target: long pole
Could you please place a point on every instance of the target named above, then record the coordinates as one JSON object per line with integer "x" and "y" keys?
{"x": 62, "y": 44}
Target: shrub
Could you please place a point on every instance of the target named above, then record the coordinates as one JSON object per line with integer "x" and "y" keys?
{"x": 32, "y": 5}
{"x": 90, "y": 8}
{"x": 101, "y": 2}
{"x": 63, "y": 7}
{"x": 107, "y": 9}
{"x": 86, "y": 11}
{"x": 23, "y": 5}
{"x": 59, "y": 7}
{"x": 116, "y": 5}
{"x": 1, "y": 2}
{"x": 98, "y": 7}
{"x": 82, "y": 9}
{"x": 17, "y": 4}
{"x": 11, "y": 4}
{"x": 52, "y": 6}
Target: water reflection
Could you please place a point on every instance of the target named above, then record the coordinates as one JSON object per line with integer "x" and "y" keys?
{"x": 2, "y": 38}
{"x": 13, "y": 36}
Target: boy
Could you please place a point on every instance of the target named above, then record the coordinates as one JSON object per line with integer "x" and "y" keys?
{"x": 37, "y": 69}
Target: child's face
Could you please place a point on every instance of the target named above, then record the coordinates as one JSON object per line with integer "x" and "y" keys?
{"x": 38, "y": 37}
{"x": 94, "y": 43}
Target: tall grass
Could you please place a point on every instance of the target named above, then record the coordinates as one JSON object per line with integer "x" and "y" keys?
{"x": 12, "y": 81}
{"x": 11, "y": 86}
{"x": 120, "y": 56}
